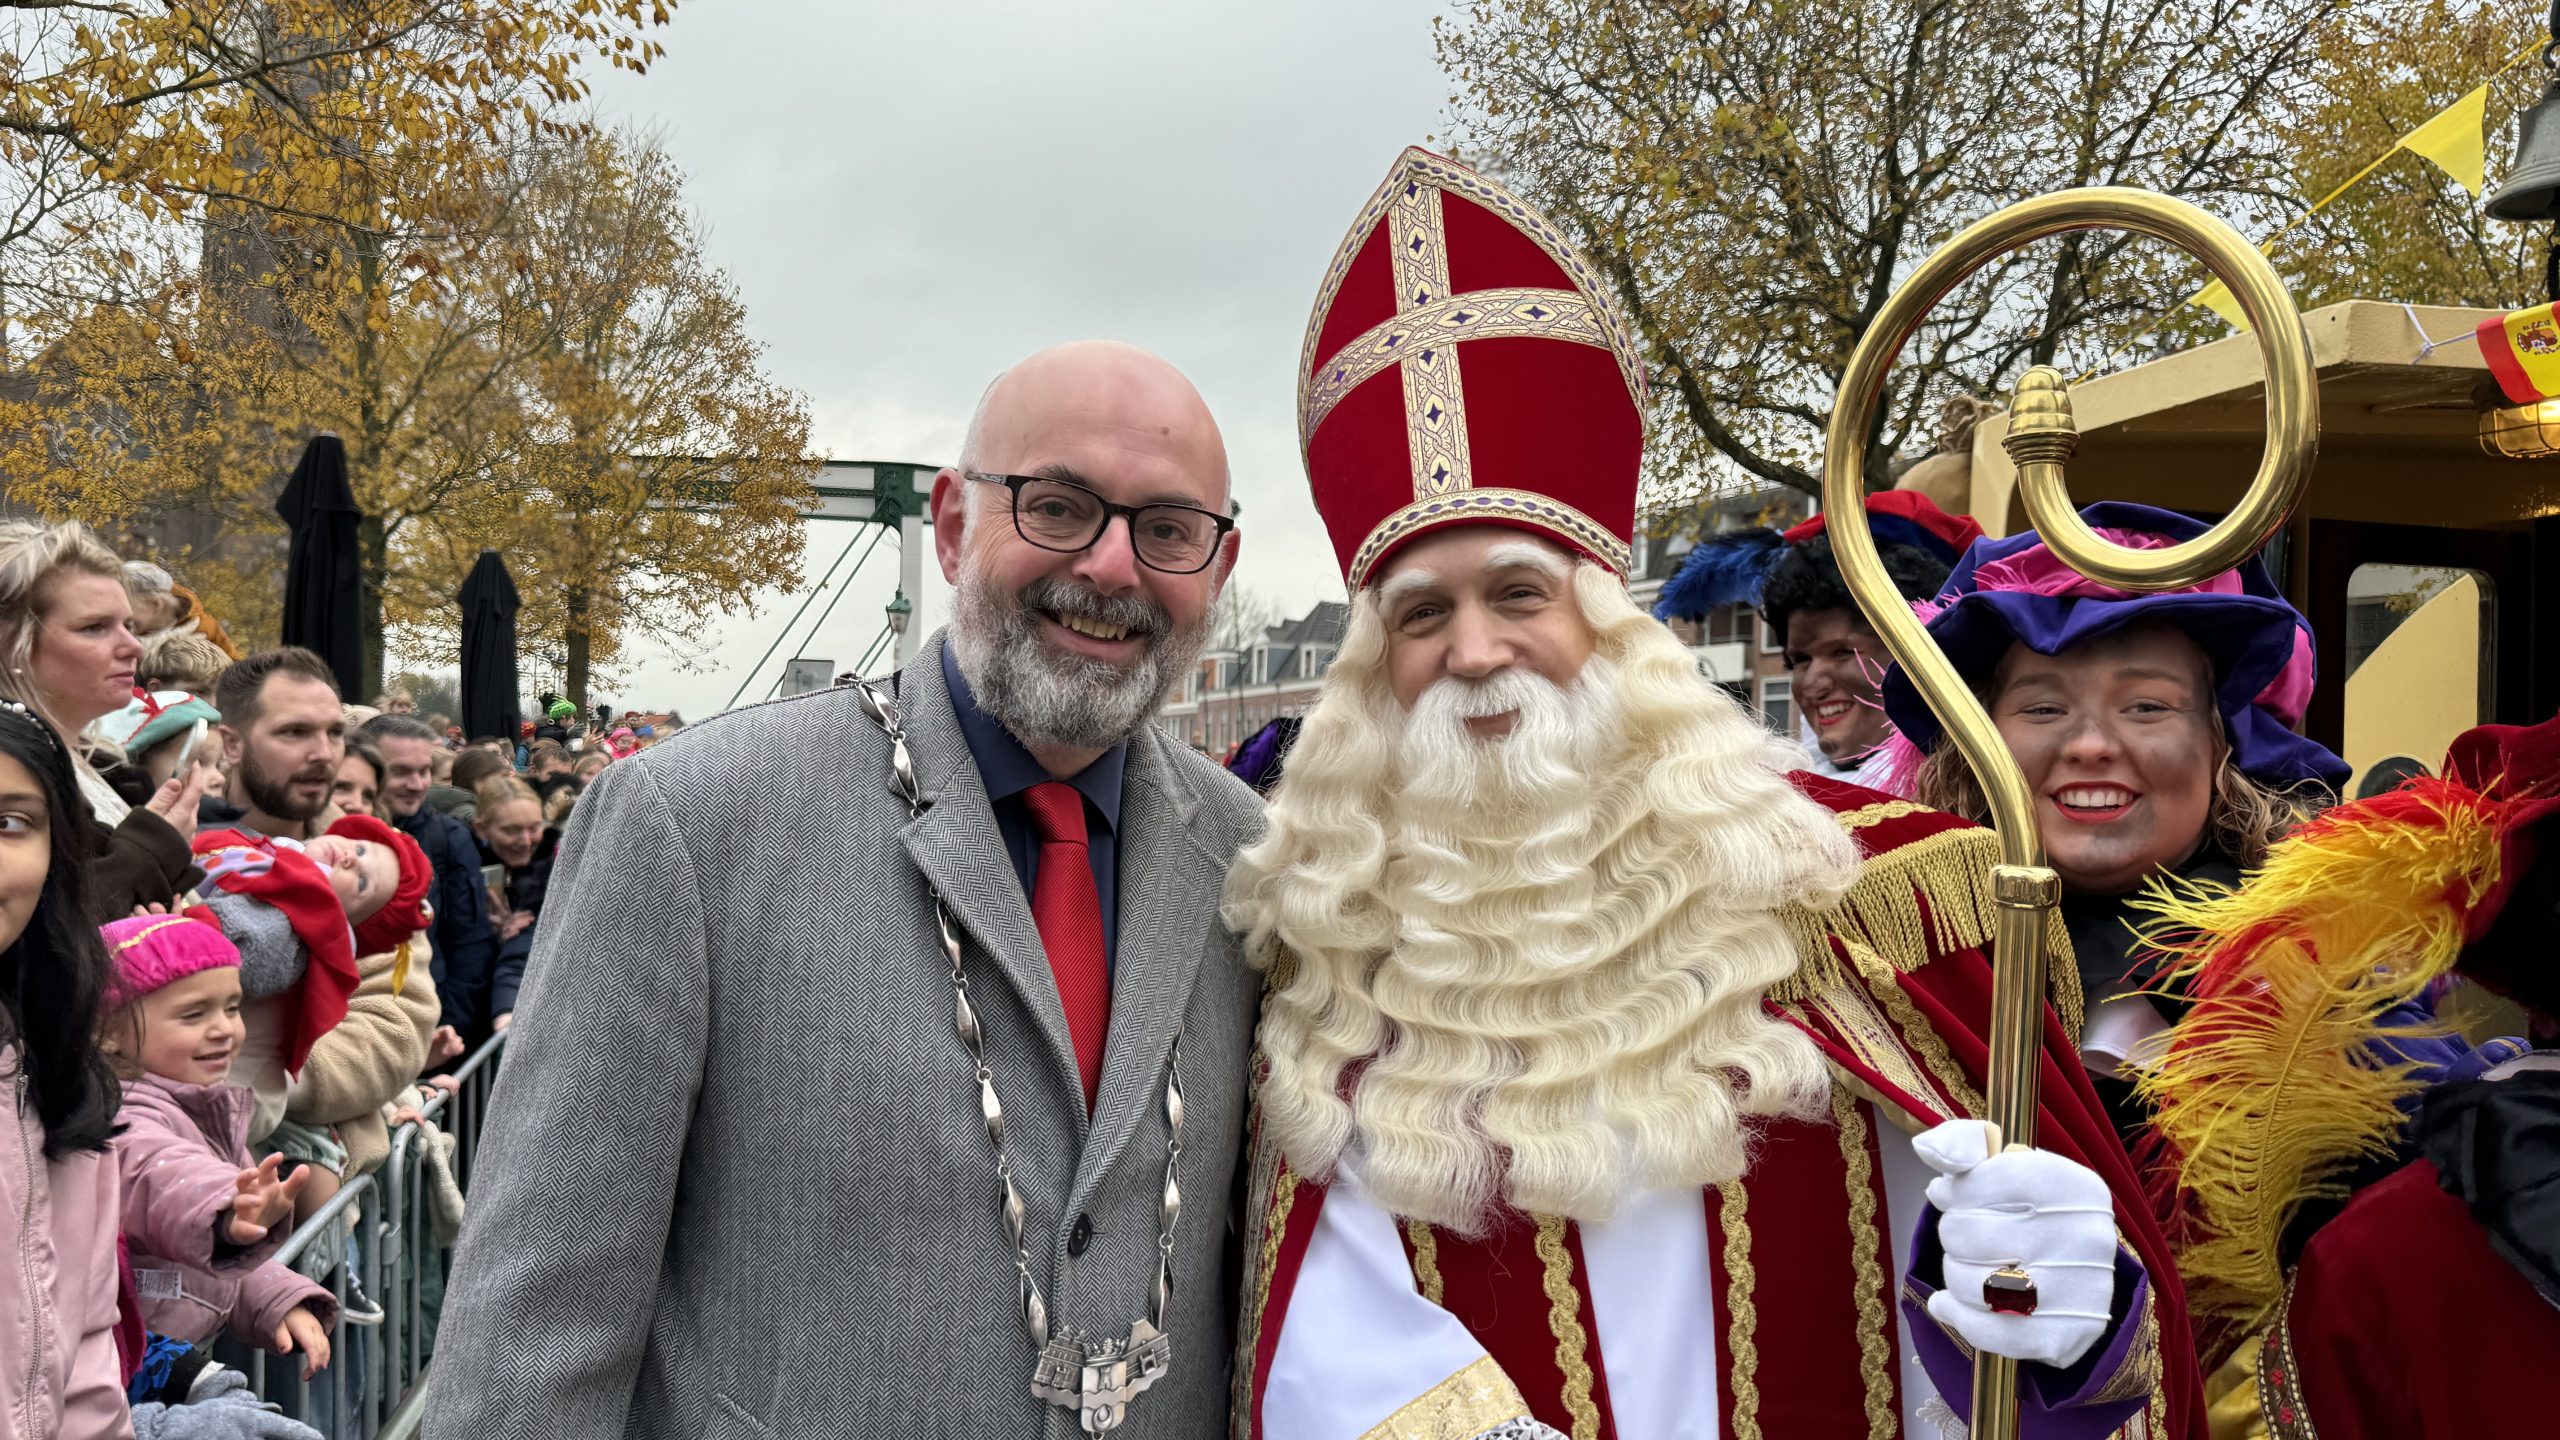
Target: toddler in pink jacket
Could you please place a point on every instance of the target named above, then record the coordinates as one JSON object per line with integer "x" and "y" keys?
{"x": 200, "y": 1221}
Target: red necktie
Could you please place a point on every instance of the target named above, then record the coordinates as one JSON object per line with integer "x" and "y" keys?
{"x": 1068, "y": 911}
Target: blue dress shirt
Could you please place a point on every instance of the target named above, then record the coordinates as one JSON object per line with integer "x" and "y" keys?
{"x": 1007, "y": 770}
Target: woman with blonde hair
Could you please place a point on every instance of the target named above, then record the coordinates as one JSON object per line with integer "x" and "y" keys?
{"x": 68, "y": 653}
{"x": 2156, "y": 733}
{"x": 513, "y": 825}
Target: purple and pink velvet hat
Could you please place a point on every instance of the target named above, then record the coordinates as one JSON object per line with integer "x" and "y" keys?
{"x": 153, "y": 951}
{"x": 2015, "y": 591}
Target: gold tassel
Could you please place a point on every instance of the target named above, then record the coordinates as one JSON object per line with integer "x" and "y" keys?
{"x": 1882, "y": 911}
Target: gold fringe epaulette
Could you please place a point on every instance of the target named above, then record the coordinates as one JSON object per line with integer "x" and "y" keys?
{"x": 1884, "y": 912}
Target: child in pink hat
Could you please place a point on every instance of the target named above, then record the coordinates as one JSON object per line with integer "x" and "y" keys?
{"x": 200, "y": 1221}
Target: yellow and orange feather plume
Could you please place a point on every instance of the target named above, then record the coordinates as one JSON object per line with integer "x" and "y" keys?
{"x": 2272, "y": 1086}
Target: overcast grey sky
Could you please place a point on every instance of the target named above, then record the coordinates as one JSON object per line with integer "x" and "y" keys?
{"x": 912, "y": 196}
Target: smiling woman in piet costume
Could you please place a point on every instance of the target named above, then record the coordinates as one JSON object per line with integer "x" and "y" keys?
{"x": 2155, "y": 731}
{"x": 1835, "y": 660}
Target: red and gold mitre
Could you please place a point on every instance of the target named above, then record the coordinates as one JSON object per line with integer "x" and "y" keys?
{"x": 1462, "y": 367}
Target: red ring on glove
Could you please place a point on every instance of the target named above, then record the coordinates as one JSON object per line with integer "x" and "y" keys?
{"x": 2009, "y": 1290}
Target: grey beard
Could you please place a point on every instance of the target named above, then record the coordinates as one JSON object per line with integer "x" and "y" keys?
{"x": 1046, "y": 697}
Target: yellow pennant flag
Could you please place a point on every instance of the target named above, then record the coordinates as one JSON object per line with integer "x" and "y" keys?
{"x": 2217, "y": 297}
{"x": 2453, "y": 140}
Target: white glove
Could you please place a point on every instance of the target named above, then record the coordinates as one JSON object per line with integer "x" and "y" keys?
{"x": 2028, "y": 1209}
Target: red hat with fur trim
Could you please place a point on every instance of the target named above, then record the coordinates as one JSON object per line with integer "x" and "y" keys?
{"x": 407, "y": 911}
{"x": 1464, "y": 367}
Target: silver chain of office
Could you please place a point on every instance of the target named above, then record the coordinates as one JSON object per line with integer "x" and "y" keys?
{"x": 1094, "y": 1377}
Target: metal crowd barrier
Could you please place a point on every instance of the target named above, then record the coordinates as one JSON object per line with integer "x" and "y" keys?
{"x": 374, "y": 1385}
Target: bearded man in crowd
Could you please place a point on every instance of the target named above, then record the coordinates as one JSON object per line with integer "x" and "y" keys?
{"x": 283, "y": 735}
{"x": 848, "y": 1048}
{"x": 1616, "y": 1083}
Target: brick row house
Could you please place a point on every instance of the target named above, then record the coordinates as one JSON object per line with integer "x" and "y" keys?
{"x": 1231, "y": 694}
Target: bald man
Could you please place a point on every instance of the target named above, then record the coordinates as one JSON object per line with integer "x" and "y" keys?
{"x": 768, "y": 1157}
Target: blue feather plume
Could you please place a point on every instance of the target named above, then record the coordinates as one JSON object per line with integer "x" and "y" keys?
{"x": 1727, "y": 570}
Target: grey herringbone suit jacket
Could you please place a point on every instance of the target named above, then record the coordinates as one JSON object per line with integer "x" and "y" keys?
{"x": 736, "y": 1184}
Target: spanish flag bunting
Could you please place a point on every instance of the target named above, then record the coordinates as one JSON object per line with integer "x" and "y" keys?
{"x": 2523, "y": 351}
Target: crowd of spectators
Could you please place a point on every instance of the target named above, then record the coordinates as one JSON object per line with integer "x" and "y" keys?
{"x": 243, "y": 923}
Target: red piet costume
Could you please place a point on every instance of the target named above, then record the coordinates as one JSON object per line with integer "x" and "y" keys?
{"x": 2428, "y": 1307}
{"x": 1789, "y": 1303}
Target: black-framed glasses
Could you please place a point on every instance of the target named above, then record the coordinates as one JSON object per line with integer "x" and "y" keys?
{"x": 1064, "y": 516}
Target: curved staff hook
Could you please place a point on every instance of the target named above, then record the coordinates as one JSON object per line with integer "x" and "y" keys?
{"x": 2041, "y": 438}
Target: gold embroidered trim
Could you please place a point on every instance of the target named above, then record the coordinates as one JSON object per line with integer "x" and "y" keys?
{"x": 1892, "y": 1111}
{"x": 1742, "y": 1339}
{"x": 1918, "y": 1295}
{"x": 2139, "y": 1375}
{"x": 1862, "y": 1027}
{"x": 1917, "y": 1033}
{"x": 1471, "y": 1402}
{"x": 1426, "y": 1259}
{"x": 1274, "y": 1218}
{"x": 1435, "y": 402}
{"x": 1882, "y": 910}
{"x": 1261, "y": 1163}
{"x": 1514, "y": 313}
{"x": 1564, "y": 1317}
{"x": 1494, "y": 504}
{"x": 2279, "y": 1381}
{"x": 1875, "y": 1347}
{"x": 1876, "y": 814}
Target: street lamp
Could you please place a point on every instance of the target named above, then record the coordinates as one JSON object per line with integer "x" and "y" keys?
{"x": 900, "y": 612}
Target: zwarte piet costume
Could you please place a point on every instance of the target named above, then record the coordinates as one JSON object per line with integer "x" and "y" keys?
{"x": 1782, "y": 574}
{"x": 2426, "y": 1307}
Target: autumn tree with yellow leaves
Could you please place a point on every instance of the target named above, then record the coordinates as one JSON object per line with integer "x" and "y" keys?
{"x": 2408, "y": 231}
{"x": 1754, "y": 180}
{"x": 574, "y": 386}
{"x": 116, "y": 118}
{"x": 236, "y": 224}
{"x": 659, "y": 476}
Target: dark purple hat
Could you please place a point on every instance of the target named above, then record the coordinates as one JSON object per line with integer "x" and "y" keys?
{"x": 2016, "y": 591}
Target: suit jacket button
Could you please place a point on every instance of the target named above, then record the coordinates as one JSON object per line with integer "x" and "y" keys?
{"x": 1080, "y": 1238}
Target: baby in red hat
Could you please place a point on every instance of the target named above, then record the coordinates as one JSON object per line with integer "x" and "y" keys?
{"x": 379, "y": 1047}
{"x": 199, "y": 1220}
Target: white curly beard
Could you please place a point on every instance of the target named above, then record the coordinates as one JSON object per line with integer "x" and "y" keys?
{"x": 1544, "y": 956}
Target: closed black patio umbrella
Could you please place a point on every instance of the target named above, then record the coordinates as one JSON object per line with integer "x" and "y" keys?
{"x": 323, "y": 577}
{"x": 489, "y": 605}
